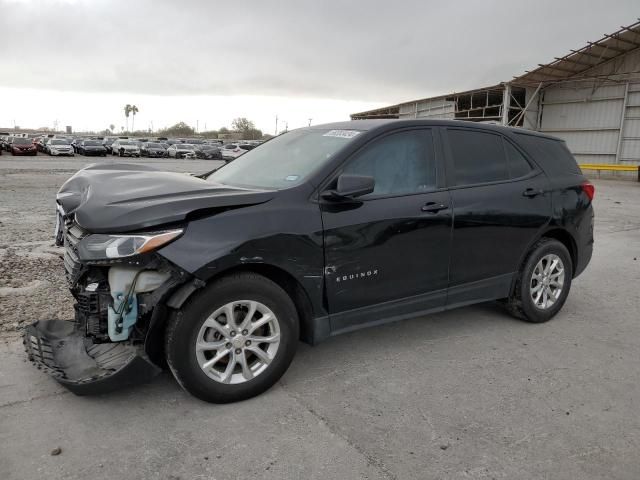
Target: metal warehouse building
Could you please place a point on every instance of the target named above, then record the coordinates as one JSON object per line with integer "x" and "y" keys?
{"x": 590, "y": 98}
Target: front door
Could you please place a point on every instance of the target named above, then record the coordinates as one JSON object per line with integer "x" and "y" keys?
{"x": 387, "y": 255}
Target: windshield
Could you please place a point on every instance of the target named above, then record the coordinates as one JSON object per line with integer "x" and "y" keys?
{"x": 154, "y": 145}
{"x": 91, "y": 143}
{"x": 59, "y": 142}
{"x": 284, "y": 161}
{"x": 185, "y": 147}
{"x": 21, "y": 141}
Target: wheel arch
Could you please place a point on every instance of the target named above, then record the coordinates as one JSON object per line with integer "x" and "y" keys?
{"x": 278, "y": 275}
{"x": 557, "y": 233}
{"x": 564, "y": 237}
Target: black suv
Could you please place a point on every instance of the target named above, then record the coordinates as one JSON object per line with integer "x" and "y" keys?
{"x": 316, "y": 232}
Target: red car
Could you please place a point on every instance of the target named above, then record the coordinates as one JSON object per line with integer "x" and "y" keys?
{"x": 22, "y": 146}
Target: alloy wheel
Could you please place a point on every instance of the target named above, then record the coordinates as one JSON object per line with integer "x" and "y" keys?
{"x": 238, "y": 341}
{"x": 547, "y": 281}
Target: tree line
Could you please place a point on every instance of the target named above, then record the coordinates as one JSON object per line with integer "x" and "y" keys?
{"x": 241, "y": 125}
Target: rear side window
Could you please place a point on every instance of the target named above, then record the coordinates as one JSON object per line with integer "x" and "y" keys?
{"x": 552, "y": 155}
{"x": 401, "y": 163}
{"x": 518, "y": 165}
{"x": 478, "y": 157}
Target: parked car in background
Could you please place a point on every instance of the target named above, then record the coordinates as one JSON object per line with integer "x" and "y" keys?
{"x": 59, "y": 146}
{"x": 90, "y": 148}
{"x": 40, "y": 144}
{"x": 22, "y": 146}
{"x": 247, "y": 146}
{"x": 107, "y": 142}
{"x": 75, "y": 143}
{"x": 125, "y": 148}
{"x": 208, "y": 152}
{"x": 153, "y": 150}
{"x": 231, "y": 151}
{"x": 181, "y": 150}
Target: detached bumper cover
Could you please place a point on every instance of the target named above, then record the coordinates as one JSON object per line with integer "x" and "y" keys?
{"x": 83, "y": 367}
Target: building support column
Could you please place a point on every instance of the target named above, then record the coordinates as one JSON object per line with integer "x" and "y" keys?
{"x": 506, "y": 103}
{"x": 622, "y": 115}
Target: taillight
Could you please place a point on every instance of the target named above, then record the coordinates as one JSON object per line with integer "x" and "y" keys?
{"x": 589, "y": 189}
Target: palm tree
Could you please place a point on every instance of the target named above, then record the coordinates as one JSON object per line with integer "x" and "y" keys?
{"x": 127, "y": 111}
{"x": 134, "y": 110}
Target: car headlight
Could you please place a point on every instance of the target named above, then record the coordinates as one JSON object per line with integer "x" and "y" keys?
{"x": 103, "y": 247}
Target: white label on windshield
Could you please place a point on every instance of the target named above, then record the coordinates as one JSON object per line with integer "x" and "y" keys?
{"x": 292, "y": 178}
{"x": 341, "y": 133}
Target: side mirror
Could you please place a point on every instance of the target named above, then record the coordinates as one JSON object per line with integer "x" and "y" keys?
{"x": 350, "y": 186}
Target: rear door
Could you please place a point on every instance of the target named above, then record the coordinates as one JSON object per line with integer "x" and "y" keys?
{"x": 501, "y": 201}
{"x": 387, "y": 255}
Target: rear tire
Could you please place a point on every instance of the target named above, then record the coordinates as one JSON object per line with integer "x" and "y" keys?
{"x": 543, "y": 282}
{"x": 203, "y": 321}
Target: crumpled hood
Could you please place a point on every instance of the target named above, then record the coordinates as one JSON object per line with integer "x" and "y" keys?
{"x": 115, "y": 198}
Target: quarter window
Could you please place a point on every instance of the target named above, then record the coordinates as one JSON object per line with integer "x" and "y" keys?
{"x": 518, "y": 165}
{"x": 478, "y": 157}
{"x": 401, "y": 163}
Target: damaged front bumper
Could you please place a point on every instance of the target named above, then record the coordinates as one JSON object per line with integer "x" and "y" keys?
{"x": 85, "y": 368}
{"x": 115, "y": 337}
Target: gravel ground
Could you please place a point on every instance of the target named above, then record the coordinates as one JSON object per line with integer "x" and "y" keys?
{"x": 32, "y": 284}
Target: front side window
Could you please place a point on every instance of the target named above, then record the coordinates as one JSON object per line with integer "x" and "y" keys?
{"x": 401, "y": 163}
{"x": 478, "y": 157}
{"x": 286, "y": 160}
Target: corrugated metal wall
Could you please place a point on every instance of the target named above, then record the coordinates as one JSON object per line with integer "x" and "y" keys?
{"x": 630, "y": 144}
{"x": 431, "y": 108}
{"x": 589, "y": 115}
{"x": 587, "y": 119}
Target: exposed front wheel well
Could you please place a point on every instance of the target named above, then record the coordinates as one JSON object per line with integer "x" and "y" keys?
{"x": 288, "y": 283}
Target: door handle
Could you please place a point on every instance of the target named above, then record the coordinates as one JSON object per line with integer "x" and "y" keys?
{"x": 433, "y": 207}
{"x": 532, "y": 192}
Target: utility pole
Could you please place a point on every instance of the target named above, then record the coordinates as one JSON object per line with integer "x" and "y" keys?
{"x": 276, "y": 124}
{"x": 197, "y": 125}
{"x": 310, "y": 121}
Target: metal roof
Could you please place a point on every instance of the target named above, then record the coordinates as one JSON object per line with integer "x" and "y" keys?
{"x": 575, "y": 65}
{"x": 578, "y": 63}
{"x": 393, "y": 111}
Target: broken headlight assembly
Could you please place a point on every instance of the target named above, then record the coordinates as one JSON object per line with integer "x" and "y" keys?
{"x": 105, "y": 247}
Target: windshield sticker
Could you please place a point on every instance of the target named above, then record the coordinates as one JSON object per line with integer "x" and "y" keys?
{"x": 292, "y": 178}
{"x": 341, "y": 133}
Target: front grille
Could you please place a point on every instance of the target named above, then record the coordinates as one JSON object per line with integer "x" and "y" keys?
{"x": 72, "y": 235}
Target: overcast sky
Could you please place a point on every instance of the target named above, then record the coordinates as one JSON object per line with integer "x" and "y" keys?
{"x": 78, "y": 62}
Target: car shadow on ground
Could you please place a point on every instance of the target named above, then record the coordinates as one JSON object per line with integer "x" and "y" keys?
{"x": 337, "y": 354}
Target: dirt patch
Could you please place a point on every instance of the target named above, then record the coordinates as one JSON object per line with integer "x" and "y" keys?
{"x": 32, "y": 287}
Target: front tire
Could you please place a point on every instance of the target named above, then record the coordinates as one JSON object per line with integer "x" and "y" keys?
{"x": 543, "y": 282}
{"x": 233, "y": 340}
